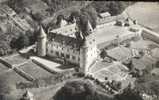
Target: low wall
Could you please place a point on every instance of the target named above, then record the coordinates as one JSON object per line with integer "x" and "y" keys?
{"x": 44, "y": 66}
{"x": 5, "y": 63}
{"x": 23, "y": 74}
{"x": 17, "y": 70}
{"x": 148, "y": 34}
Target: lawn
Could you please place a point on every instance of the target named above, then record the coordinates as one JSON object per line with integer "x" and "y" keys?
{"x": 3, "y": 68}
{"x": 146, "y": 13}
{"x": 98, "y": 66}
{"x": 35, "y": 70}
{"x": 109, "y": 33}
{"x": 12, "y": 77}
{"x": 15, "y": 59}
{"x": 46, "y": 93}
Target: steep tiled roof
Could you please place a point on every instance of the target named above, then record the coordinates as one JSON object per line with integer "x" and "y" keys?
{"x": 41, "y": 32}
{"x": 66, "y": 40}
{"x": 89, "y": 28}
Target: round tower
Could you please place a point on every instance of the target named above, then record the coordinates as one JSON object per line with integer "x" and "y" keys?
{"x": 88, "y": 51}
{"x": 41, "y": 44}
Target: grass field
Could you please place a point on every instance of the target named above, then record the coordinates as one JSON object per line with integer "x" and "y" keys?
{"x": 12, "y": 77}
{"x": 108, "y": 33}
{"x": 3, "y": 68}
{"x": 146, "y": 13}
{"x": 35, "y": 70}
{"x": 15, "y": 59}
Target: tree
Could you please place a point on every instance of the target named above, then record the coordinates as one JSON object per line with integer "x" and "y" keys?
{"x": 129, "y": 94}
{"x": 32, "y": 36}
{"x": 92, "y": 15}
{"x": 75, "y": 90}
{"x": 38, "y": 17}
{"x": 20, "y": 42}
{"x": 149, "y": 87}
{"x": 74, "y": 14}
{"x": 157, "y": 64}
{"x": 83, "y": 20}
{"x": 83, "y": 16}
{"x": 80, "y": 90}
{"x": 113, "y": 7}
{"x": 101, "y": 6}
{"x": 59, "y": 18}
{"x": 103, "y": 54}
{"x": 17, "y": 5}
{"x": 7, "y": 97}
{"x": 130, "y": 65}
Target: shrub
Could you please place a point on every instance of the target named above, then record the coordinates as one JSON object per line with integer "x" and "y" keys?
{"x": 79, "y": 74}
{"x": 6, "y": 87}
{"x": 75, "y": 90}
{"x": 129, "y": 94}
{"x": 4, "y": 48}
{"x": 20, "y": 42}
{"x": 103, "y": 54}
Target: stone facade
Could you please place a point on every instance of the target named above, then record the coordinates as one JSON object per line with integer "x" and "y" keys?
{"x": 80, "y": 51}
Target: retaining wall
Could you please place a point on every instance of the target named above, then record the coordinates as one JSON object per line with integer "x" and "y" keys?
{"x": 148, "y": 34}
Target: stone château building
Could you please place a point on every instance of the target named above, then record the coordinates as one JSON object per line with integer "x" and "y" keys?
{"x": 80, "y": 50}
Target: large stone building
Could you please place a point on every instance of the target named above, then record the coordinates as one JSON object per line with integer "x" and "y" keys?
{"x": 80, "y": 50}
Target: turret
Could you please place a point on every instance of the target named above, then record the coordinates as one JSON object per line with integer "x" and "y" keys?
{"x": 88, "y": 51}
{"x": 41, "y": 44}
{"x": 89, "y": 28}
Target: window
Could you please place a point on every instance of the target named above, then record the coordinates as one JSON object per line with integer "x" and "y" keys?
{"x": 67, "y": 56}
{"x": 52, "y": 45}
{"x": 74, "y": 51}
{"x": 57, "y": 53}
{"x": 62, "y": 54}
{"x": 67, "y": 50}
{"x": 52, "y": 51}
{"x": 73, "y": 57}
